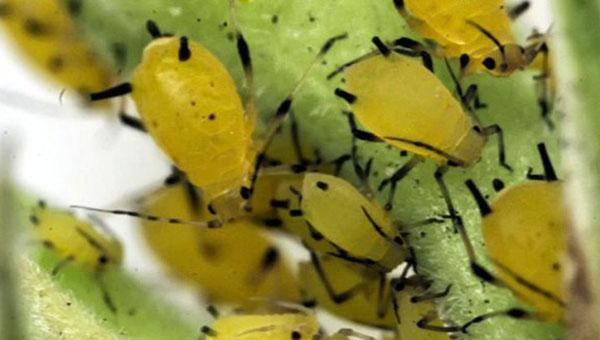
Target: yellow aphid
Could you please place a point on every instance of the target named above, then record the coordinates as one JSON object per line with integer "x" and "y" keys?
{"x": 294, "y": 322}
{"x": 525, "y": 233}
{"x": 414, "y": 313}
{"x": 350, "y": 221}
{"x": 78, "y": 239}
{"x": 77, "y": 242}
{"x": 208, "y": 137}
{"x": 410, "y": 116}
{"x": 287, "y": 200}
{"x": 524, "y": 228}
{"x": 479, "y": 32}
{"x": 268, "y": 326}
{"x": 45, "y": 32}
{"x": 364, "y": 283}
{"x": 191, "y": 107}
{"x": 233, "y": 263}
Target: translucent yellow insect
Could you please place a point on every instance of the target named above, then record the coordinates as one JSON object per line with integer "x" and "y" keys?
{"x": 292, "y": 323}
{"x": 524, "y": 228}
{"x": 234, "y": 263}
{"x": 45, "y": 32}
{"x": 77, "y": 242}
{"x": 191, "y": 107}
{"x": 479, "y": 33}
{"x": 401, "y": 102}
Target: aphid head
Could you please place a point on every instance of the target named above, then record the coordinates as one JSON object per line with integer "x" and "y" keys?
{"x": 504, "y": 62}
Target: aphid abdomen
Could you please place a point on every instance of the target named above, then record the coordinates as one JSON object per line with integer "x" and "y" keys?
{"x": 403, "y": 103}
{"x": 350, "y": 221}
{"x": 192, "y": 109}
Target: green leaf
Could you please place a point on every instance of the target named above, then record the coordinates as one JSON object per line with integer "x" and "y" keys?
{"x": 283, "y": 48}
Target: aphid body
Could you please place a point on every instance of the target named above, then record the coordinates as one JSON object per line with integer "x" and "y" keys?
{"x": 406, "y": 105}
{"x": 76, "y": 239}
{"x": 193, "y": 110}
{"x": 233, "y": 263}
{"x": 525, "y": 233}
{"x": 44, "y": 30}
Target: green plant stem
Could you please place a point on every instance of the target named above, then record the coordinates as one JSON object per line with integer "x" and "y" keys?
{"x": 577, "y": 55}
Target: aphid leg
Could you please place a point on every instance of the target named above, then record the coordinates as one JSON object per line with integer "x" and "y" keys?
{"x": 361, "y": 172}
{"x": 62, "y": 263}
{"x": 453, "y": 215}
{"x": 545, "y": 100}
{"x": 427, "y": 221}
{"x": 132, "y": 122}
{"x": 333, "y": 295}
{"x": 208, "y": 331}
{"x": 347, "y": 332}
{"x": 425, "y": 323}
{"x": 175, "y": 177}
{"x": 213, "y": 311}
{"x": 294, "y": 134}
{"x": 397, "y": 177}
{"x": 413, "y": 48}
{"x": 215, "y": 223}
{"x": 515, "y": 11}
{"x": 106, "y": 297}
{"x": 549, "y": 173}
{"x": 285, "y": 106}
{"x": 192, "y": 194}
{"x": 128, "y": 120}
{"x": 382, "y": 301}
{"x": 245, "y": 59}
{"x": 431, "y": 295}
{"x": 471, "y": 95}
{"x": 497, "y": 130}
{"x": 115, "y": 91}
{"x": 397, "y": 284}
{"x": 515, "y": 313}
{"x": 356, "y": 132}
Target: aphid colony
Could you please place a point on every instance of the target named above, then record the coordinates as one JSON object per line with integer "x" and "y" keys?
{"x": 212, "y": 222}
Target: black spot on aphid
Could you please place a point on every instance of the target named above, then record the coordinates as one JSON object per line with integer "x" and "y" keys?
{"x": 34, "y": 27}
{"x": 184, "y": 49}
{"x": 56, "y": 64}
{"x": 198, "y": 19}
{"x": 68, "y": 304}
{"x": 489, "y": 63}
{"x": 311, "y": 18}
{"x": 274, "y": 19}
{"x": 212, "y": 116}
{"x": 322, "y": 185}
{"x": 193, "y": 103}
{"x": 296, "y": 335}
{"x": 74, "y": 7}
{"x": 556, "y": 266}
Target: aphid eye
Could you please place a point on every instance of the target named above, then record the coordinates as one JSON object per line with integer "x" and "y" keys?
{"x": 489, "y": 63}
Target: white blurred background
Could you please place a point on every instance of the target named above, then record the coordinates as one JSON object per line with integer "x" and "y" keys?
{"x": 69, "y": 155}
